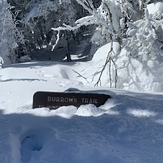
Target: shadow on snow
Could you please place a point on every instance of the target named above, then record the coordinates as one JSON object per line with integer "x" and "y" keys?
{"x": 133, "y": 135}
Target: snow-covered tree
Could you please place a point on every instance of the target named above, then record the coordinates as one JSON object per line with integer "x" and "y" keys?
{"x": 9, "y": 34}
{"x": 105, "y": 17}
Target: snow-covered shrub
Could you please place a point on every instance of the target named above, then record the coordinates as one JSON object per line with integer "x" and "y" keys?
{"x": 24, "y": 58}
{"x": 156, "y": 12}
{"x": 134, "y": 75}
{"x": 142, "y": 42}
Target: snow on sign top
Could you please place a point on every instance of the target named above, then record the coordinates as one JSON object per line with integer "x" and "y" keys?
{"x": 53, "y": 100}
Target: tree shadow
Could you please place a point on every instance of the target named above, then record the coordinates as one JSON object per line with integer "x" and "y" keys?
{"x": 36, "y": 64}
{"x": 30, "y": 80}
{"x": 140, "y": 75}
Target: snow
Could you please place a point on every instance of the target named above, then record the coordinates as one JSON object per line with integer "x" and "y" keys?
{"x": 102, "y": 53}
{"x": 127, "y": 128}
{"x": 155, "y": 8}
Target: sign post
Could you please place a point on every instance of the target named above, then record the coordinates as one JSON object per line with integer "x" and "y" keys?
{"x": 53, "y": 100}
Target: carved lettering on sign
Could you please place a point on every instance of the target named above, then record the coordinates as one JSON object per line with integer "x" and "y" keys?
{"x": 89, "y": 101}
{"x": 54, "y": 100}
{"x": 61, "y": 99}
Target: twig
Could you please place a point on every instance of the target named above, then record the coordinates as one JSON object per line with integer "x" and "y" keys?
{"x": 80, "y": 75}
{"x": 109, "y": 60}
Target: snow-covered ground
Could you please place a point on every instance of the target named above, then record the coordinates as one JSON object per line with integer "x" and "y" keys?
{"x": 128, "y": 128}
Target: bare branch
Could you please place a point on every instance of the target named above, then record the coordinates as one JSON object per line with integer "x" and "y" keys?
{"x": 58, "y": 37}
{"x": 86, "y": 5}
{"x": 80, "y": 75}
{"x": 109, "y": 60}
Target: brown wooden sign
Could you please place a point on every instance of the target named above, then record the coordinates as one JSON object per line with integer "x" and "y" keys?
{"x": 53, "y": 100}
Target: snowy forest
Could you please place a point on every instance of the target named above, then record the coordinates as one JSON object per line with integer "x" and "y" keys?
{"x": 30, "y": 26}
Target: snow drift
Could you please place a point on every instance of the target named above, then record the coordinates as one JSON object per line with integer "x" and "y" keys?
{"x": 127, "y": 128}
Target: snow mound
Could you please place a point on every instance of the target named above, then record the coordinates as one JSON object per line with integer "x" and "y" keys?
{"x": 132, "y": 74}
{"x": 102, "y": 52}
{"x": 89, "y": 110}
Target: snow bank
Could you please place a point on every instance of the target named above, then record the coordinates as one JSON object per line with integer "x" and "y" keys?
{"x": 132, "y": 74}
{"x": 102, "y": 52}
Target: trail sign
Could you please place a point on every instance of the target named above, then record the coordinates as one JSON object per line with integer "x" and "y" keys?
{"x": 53, "y": 100}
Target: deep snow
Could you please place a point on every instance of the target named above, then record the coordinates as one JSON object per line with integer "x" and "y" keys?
{"x": 127, "y": 128}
